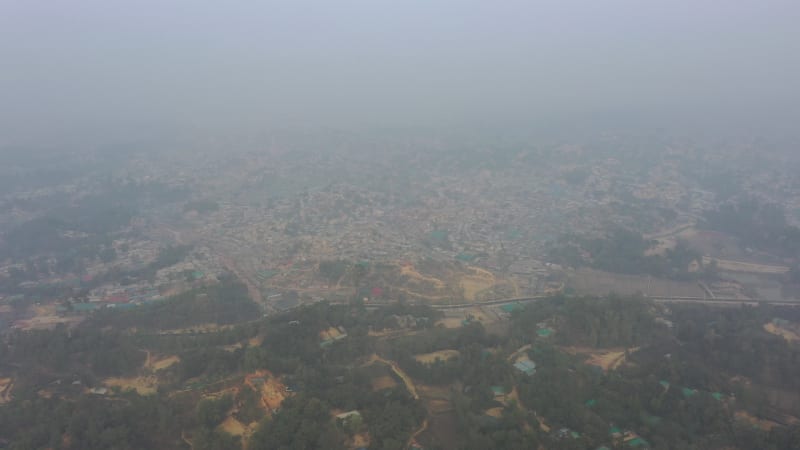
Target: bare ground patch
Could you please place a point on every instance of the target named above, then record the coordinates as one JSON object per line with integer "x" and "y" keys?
{"x": 232, "y": 426}
{"x": 443, "y": 355}
{"x": 789, "y": 335}
{"x": 273, "y": 392}
{"x": 144, "y": 385}
{"x": 384, "y": 382}
{"x": 607, "y": 359}
{"x": 161, "y": 362}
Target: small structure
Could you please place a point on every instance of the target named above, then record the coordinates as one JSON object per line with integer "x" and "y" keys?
{"x": 498, "y": 391}
{"x": 525, "y": 366}
{"x": 332, "y": 335}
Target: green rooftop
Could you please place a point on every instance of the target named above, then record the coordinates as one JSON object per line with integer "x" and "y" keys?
{"x": 465, "y": 257}
{"x": 717, "y": 395}
{"x": 511, "y": 307}
{"x": 544, "y": 332}
{"x": 688, "y": 392}
{"x": 638, "y": 442}
{"x": 438, "y": 235}
{"x": 498, "y": 390}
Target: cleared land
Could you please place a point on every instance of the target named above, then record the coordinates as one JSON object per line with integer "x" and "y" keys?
{"x": 789, "y": 335}
{"x": 607, "y": 359}
{"x": 409, "y": 383}
{"x": 144, "y": 385}
{"x": 233, "y": 426}
{"x": 443, "y": 355}
{"x": 273, "y": 391}
{"x": 450, "y": 322}
{"x": 436, "y": 398}
{"x": 475, "y": 282}
{"x": 160, "y": 362}
{"x": 741, "y": 266}
{"x": 6, "y": 384}
{"x": 384, "y": 382}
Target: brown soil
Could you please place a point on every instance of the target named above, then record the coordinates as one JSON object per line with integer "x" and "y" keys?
{"x": 144, "y": 385}
{"x": 789, "y": 335}
{"x": 608, "y": 359}
{"x": 450, "y": 322}
{"x": 6, "y": 384}
{"x": 233, "y": 426}
{"x": 384, "y": 382}
{"x": 430, "y": 358}
{"x": 273, "y": 391}
{"x": 495, "y": 412}
{"x": 156, "y": 363}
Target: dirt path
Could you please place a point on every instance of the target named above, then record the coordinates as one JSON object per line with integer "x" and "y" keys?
{"x": 412, "y": 389}
{"x": 522, "y": 349}
{"x": 417, "y": 433}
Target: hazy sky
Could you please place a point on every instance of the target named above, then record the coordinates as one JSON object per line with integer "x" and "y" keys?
{"x": 100, "y": 69}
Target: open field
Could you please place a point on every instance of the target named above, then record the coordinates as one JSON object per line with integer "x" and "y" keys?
{"x": 384, "y": 382}
{"x": 496, "y": 412}
{"x": 156, "y": 363}
{"x": 145, "y": 385}
{"x": 476, "y": 281}
{"x": 789, "y": 335}
{"x": 595, "y": 282}
{"x": 409, "y": 271}
{"x": 607, "y": 359}
{"x": 430, "y": 358}
{"x": 741, "y": 266}
{"x": 409, "y": 383}
{"x": 273, "y": 391}
{"x": 232, "y": 426}
{"x": 450, "y": 322}
{"x": 436, "y": 398}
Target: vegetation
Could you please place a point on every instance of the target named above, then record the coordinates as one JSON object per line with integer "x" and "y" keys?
{"x": 624, "y": 251}
{"x": 761, "y": 225}
{"x": 677, "y": 387}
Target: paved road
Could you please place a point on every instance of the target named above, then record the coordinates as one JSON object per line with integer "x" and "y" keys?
{"x": 719, "y": 301}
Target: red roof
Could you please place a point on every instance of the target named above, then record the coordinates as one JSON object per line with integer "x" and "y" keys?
{"x": 118, "y": 299}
